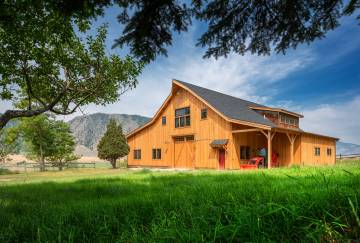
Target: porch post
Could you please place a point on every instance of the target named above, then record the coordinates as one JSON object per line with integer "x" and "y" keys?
{"x": 292, "y": 153}
{"x": 269, "y": 149}
{"x": 291, "y": 140}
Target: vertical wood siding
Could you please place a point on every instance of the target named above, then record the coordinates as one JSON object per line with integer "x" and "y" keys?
{"x": 308, "y": 144}
{"x": 161, "y": 136}
{"x": 199, "y": 154}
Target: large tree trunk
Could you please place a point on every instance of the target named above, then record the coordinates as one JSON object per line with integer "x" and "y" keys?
{"x": 113, "y": 163}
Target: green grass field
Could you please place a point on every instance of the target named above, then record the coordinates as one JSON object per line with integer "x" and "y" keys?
{"x": 295, "y": 204}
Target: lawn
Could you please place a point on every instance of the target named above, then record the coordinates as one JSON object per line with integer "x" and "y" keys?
{"x": 294, "y": 204}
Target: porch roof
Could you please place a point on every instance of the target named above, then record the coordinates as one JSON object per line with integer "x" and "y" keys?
{"x": 219, "y": 143}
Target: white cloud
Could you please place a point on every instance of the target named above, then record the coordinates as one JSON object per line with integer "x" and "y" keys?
{"x": 339, "y": 120}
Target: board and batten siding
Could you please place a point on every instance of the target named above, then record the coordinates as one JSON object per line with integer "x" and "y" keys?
{"x": 308, "y": 144}
{"x": 199, "y": 153}
{"x": 161, "y": 136}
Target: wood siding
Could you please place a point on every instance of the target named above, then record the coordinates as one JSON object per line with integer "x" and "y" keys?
{"x": 308, "y": 144}
{"x": 161, "y": 136}
{"x": 199, "y": 153}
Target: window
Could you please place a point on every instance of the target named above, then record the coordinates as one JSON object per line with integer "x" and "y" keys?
{"x": 182, "y": 117}
{"x": 179, "y": 139}
{"x": 244, "y": 152}
{"x": 137, "y": 153}
{"x": 184, "y": 138}
{"x": 328, "y": 151}
{"x": 289, "y": 120}
{"x": 203, "y": 113}
{"x": 156, "y": 154}
{"x": 317, "y": 151}
{"x": 163, "y": 120}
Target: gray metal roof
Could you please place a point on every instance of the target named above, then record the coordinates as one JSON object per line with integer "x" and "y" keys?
{"x": 230, "y": 106}
{"x": 219, "y": 142}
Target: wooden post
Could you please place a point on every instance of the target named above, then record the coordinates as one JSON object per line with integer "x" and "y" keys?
{"x": 269, "y": 149}
{"x": 269, "y": 137}
{"x": 291, "y": 138}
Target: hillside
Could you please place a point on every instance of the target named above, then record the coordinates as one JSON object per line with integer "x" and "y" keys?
{"x": 89, "y": 129}
{"x": 347, "y": 148}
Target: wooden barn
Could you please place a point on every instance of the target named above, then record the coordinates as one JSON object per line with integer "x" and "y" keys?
{"x": 200, "y": 128}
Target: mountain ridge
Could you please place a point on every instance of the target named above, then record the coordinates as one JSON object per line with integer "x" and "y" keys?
{"x": 88, "y": 129}
{"x": 347, "y": 148}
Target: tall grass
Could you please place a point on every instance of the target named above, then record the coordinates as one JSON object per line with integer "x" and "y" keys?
{"x": 297, "y": 204}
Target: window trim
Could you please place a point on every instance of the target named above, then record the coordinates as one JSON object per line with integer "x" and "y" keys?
{"x": 204, "y": 111}
{"x": 137, "y": 154}
{"x": 184, "y": 138}
{"x": 157, "y": 153}
{"x": 328, "y": 151}
{"x": 289, "y": 120}
{"x": 185, "y": 118}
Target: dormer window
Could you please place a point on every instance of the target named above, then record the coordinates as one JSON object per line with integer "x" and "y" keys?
{"x": 182, "y": 117}
{"x": 289, "y": 120}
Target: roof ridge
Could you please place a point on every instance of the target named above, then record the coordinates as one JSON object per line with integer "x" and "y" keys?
{"x": 253, "y": 103}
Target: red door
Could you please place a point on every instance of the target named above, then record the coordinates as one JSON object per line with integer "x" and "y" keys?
{"x": 221, "y": 159}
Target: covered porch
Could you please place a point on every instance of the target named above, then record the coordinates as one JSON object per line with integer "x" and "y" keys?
{"x": 280, "y": 144}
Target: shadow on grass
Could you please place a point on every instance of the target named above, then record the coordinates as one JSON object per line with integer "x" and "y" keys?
{"x": 184, "y": 207}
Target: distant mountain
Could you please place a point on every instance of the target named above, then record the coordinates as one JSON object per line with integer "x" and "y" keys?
{"x": 347, "y": 148}
{"x": 89, "y": 129}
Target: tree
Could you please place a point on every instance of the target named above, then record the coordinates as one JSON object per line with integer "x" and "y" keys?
{"x": 37, "y": 134}
{"x": 256, "y": 26}
{"x": 113, "y": 144}
{"x": 7, "y": 144}
{"x": 63, "y": 145}
{"x": 45, "y": 66}
{"x": 47, "y": 140}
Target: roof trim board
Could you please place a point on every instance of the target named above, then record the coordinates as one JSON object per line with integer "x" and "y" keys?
{"x": 277, "y": 110}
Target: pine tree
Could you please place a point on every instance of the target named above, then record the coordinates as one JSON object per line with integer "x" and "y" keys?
{"x": 113, "y": 144}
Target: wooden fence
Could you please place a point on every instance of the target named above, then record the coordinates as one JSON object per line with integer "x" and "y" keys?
{"x": 25, "y": 166}
{"x": 348, "y": 156}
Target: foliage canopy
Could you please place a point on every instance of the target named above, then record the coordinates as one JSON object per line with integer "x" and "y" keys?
{"x": 47, "y": 140}
{"x": 256, "y": 26}
{"x": 45, "y": 66}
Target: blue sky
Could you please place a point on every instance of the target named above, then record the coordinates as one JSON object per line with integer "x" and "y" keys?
{"x": 320, "y": 80}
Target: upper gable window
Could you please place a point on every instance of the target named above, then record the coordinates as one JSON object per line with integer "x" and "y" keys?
{"x": 163, "y": 120}
{"x": 182, "y": 117}
{"x": 289, "y": 120}
{"x": 203, "y": 113}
